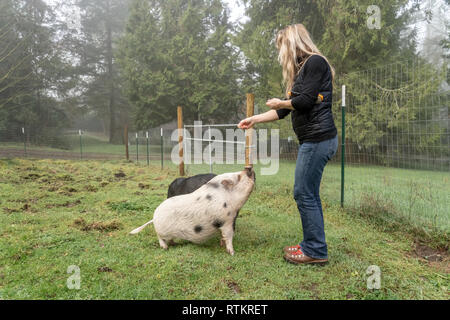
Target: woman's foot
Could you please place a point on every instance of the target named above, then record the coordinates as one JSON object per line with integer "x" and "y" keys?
{"x": 298, "y": 257}
{"x": 291, "y": 249}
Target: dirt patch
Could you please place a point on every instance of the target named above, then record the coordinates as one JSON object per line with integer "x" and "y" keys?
{"x": 104, "y": 269}
{"x": 143, "y": 186}
{"x": 19, "y": 256}
{"x": 90, "y": 188}
{"x": 32, "y": 176}
{"x": 233, "y": 286}
{"x": 432, "y": 255}
{"x": 312, "y": 288}
{"x": 81, "y": 224}
{"x": 120, "y": 174}
{"x": 65, "y": 177}
{"x": 67, "y": 204}
{"x": 71, "y": 204}
{"x": 9, "y": 210}
{"x": 65, "y": 193}
{"x": 52, "y": 189}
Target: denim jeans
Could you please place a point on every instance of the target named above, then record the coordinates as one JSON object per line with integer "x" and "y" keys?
{"x": 311, "y": 160}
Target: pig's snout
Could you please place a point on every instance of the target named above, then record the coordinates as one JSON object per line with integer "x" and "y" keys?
{"x": 250, "y": 173}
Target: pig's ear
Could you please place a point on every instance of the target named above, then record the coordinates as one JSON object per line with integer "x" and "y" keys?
{"x": 227, "y": 183}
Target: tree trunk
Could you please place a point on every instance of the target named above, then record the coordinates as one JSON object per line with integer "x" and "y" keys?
{"x": 112, "y": 118}
{"x": 38, "y": 128}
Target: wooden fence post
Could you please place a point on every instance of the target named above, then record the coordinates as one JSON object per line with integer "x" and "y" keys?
{"x": 249, "y": 132}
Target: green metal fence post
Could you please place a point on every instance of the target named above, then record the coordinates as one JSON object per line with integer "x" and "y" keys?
{"x": 148, "y": 151}
{"x": 81, "y": 145}
{"x": 162, "y": 149}
{"x": 343, "y": 147}
{"x": 24, "y": 141}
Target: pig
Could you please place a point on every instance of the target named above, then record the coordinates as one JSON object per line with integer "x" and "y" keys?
{"x": 197, "y": 216}
{"x": 188, "y": 185}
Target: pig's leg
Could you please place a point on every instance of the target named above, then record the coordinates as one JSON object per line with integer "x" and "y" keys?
{"x": 227, "y": 237}
{"x": 163, "y": 244}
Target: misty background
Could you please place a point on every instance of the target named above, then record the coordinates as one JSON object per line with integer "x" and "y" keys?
{"x": 101, "y": 65}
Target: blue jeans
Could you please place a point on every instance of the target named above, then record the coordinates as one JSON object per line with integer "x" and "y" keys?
{"x": 311, "y": 160}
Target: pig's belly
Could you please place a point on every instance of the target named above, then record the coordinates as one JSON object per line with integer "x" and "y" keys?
{"x": 192, "y": 228}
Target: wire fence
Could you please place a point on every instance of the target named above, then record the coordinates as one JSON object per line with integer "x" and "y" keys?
{"x": 397, "y": 146}
{"x": 397, "y": 150}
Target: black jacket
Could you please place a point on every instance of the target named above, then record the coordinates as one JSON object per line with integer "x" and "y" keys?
{"x": 312, "y": 122}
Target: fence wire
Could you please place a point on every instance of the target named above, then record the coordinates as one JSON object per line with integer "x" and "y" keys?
{"x": 398, "y": 141}
{"x": 397, "y": 148}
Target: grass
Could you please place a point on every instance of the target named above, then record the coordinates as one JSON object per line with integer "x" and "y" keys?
{"x": 54, "y": 214}
{"x": 94, "y": 143}
{"x": 420, "y": 197}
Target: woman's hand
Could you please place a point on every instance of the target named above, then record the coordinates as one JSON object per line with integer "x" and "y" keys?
{"x": 276, "y": 104}
{"x": 268, "y": 116}
{"x": 247, "y": 123}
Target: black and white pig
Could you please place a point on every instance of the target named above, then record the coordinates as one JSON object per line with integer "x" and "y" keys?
{"x": 181, "y": 186}
{"x": 196, "y": 216}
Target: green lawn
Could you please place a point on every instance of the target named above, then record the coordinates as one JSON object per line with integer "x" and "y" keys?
{"x": 54, "y": 214}
{"x": 421, "y": 197}
{"x": 92, "y": 143}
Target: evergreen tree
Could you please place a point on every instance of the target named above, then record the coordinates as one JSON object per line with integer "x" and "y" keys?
{"x": 102, "y": 23}
{"x": 178, "y": 53}
{"x": 339, "y": 29}
{"x": 34, "y": 75}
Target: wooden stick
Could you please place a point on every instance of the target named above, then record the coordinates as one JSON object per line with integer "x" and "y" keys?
{"x": 180, "y": 139}
{"x": 249, "y": 132}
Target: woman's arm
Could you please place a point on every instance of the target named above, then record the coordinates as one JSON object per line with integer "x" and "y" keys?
{"x": 268, "y": 116}
{"x": 308, "y": 88}
{"x": 277, "y": 104}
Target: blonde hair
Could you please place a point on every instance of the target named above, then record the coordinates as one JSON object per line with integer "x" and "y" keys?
{"x": 294, "y": 42}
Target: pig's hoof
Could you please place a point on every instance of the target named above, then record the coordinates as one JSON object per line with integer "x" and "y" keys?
{"x": 163, "y": 244}
{"x": 222, "y": 242}
{"x": 231, "y": 252}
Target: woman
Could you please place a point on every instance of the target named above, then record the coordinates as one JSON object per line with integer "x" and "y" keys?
{"x": 307, "y": 76}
